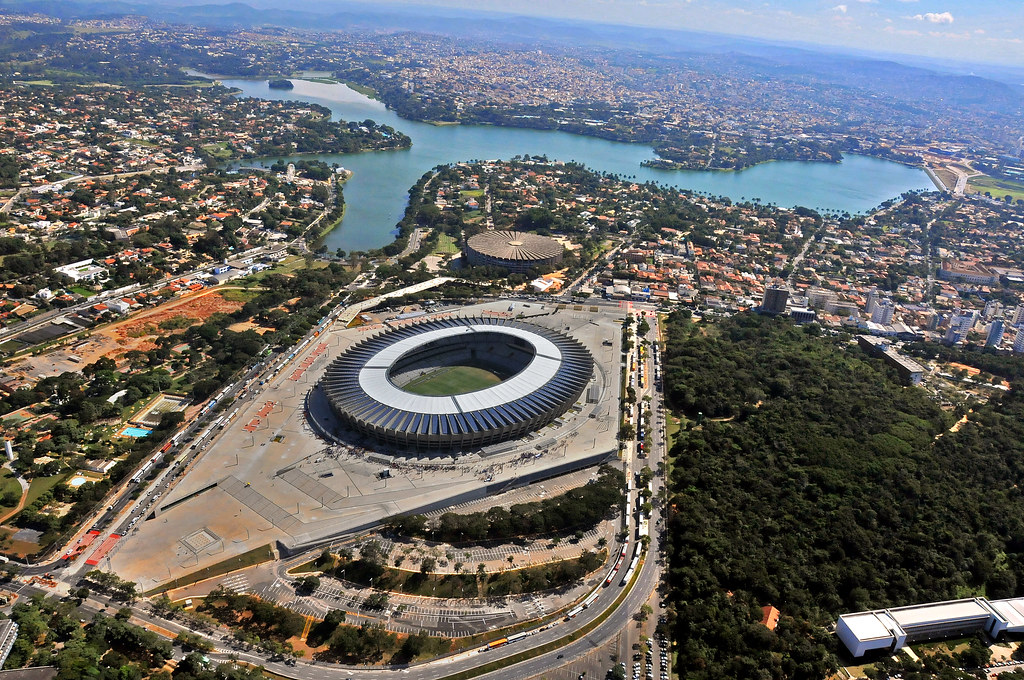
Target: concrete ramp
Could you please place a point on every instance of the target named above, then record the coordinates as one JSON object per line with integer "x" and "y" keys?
{"x": 313, "y": 488}
{"x": 260, "y": 504}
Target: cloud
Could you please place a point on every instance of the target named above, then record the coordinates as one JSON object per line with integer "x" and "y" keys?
{"x": 949, "y": 34}
{"x": 902, "y": 31}
{"x": 934, "y": 17}
{"x": 839, "y": 8}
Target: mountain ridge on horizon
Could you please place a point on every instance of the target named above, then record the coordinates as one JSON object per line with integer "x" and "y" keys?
{"x": 522, "y": 29}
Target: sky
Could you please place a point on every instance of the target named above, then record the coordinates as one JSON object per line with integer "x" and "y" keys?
{"x": 990, "y": 31}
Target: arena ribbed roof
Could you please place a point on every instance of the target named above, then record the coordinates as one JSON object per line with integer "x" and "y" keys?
{"x": 515, "y": 246}
{"x": 360, "y": 390}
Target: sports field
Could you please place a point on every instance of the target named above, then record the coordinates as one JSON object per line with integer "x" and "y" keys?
{"x": 998, "y": 188}
{"x": 451, "y": 380}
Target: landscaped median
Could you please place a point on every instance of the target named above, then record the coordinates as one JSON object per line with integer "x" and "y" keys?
{"x": 373, "y": 573}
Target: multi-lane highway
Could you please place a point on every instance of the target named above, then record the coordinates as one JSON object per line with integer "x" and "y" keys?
{"x": 616, "y": 622}
{"x": 619, "y": 620}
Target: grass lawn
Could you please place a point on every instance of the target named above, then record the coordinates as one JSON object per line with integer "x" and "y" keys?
{"x": 264, "y": 553}
{"x": 452, "y": 380}
{"x": 11, "y": 346}
{"x": 289, "y": 265}
{"x": 672, "y": 426}
{"x": 81, "y": 290}
{"x": 220, "y": 150}
{"x": 41, "y": 485}
{"x": 239, "y": 294}
{"x": 362, "y": 89}
{"x": 472, "y": 193}
{"x": 997, "y": 187}
{"x": 446, "y": 245}
{"x": 8, "y": 484}
{"x": 945, "y": 176}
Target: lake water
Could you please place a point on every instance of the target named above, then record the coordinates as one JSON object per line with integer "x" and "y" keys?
{"x": 376, "y": 194}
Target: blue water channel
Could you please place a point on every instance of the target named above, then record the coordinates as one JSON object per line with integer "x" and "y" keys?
{"x": 377, "y": 193}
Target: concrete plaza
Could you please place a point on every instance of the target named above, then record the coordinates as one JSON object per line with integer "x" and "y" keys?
{"x": 280, "y": 471}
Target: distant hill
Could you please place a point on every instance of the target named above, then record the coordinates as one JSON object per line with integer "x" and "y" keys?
{"x": 883, "y": 74}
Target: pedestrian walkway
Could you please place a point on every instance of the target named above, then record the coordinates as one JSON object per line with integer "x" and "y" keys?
{"x": 531, "y": 552}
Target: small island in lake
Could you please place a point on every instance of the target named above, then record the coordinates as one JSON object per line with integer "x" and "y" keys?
{"x": 281, "y": 84}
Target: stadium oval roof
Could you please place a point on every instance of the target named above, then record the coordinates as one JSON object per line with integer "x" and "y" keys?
{"x": 360, "y": 390}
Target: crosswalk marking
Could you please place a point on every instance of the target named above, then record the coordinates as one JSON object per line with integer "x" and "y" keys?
{"x": 238, "y": 583}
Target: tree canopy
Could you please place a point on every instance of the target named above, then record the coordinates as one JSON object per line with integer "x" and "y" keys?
{"x": 821, "y": 486}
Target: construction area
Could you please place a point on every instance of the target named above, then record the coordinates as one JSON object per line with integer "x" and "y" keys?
{"x": 137, "y": 333}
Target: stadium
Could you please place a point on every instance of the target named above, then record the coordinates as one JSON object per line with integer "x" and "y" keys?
{"x": 516, "y": 251}
{"x": 457, "y": 384}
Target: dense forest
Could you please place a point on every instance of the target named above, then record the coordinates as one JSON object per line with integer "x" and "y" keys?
{"x": 819, "y": 485}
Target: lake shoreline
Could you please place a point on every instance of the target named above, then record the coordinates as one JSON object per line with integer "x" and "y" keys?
{"x": 378, "y": 193}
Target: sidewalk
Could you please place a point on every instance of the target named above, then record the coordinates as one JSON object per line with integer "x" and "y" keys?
{"x": 496, "y": 557}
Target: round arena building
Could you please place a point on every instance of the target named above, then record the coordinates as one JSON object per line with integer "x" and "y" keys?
{"x": 455, "y": 384}
{"x": 516, "y": 251}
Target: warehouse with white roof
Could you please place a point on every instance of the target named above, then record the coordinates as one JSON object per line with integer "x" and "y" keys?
{"x": 895, "y": 628}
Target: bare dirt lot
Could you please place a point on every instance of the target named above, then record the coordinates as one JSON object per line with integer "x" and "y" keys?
{"x": 137, "y": 332}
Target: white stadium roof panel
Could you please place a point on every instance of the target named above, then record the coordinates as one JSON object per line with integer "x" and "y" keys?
{"x": 360, "y": 389}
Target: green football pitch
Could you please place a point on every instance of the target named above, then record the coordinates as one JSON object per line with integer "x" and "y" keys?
{"x": 451, "y": 380}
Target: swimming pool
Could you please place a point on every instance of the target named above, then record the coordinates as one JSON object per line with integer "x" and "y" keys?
{"x": 135, "y": 432}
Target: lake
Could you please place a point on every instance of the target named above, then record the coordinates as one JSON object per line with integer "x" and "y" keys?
{"x": 376, "y": 195}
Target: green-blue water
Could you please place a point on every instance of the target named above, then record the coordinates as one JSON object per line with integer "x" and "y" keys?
{"x": 376, "y": 195}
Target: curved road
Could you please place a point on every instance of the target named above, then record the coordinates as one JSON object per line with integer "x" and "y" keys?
{"x": 609, "y": 628}
{"x": 617, "y": 621}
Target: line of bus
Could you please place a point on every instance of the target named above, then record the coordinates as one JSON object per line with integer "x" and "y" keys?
{"x": 501, "y": 642}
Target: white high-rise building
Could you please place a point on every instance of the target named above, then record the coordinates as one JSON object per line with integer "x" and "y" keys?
{"x": 1018, "y": 342}
{"x": 869, "y": 308}
{"x": 995, "y": 333}
{"x": 1018, "y": 315}
{"x": 959, "y": 327}
{"x": 883, "y": 311}
{"x": 993, "y": 308}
